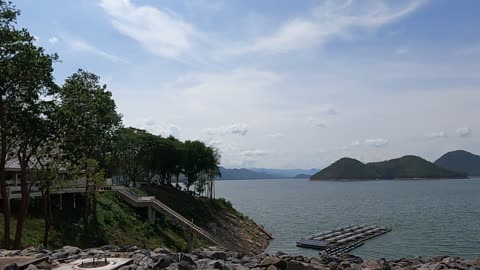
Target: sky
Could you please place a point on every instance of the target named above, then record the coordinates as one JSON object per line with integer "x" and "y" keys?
{"x": 280, "y": 84}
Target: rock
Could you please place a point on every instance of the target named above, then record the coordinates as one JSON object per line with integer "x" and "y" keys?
{"x": 345, "y": 264}
{"x": 128, "y": 267}
{"x": 218, "y": 255}
{"x": 31, "y": 267}
{"x": 232, "y": 266}
{"x": 71, "y": 249}
{"x": 162, "y": 251}
{"x": 280, "y": 253}
{"x": 28, "y": 251}
{"x": 216, "y": 264}
{"x": 44, "y": 265}
{"x": 184, "y": 265}
{"x": 186, "y": 258}
{"x": 296, "y": 265}
{"x": 351, "y": 258}
{"x": 355, "y": 266}
{"x": 128, "y": 249}
{"x": 163, "y": 262}
{"x": 137, "y": 258}
{"x": 333, "y": 265}
{"x": 12, "y": 266}
{"x": 473, "y": 262}
{"x": 325, "y": 259}
{"x": 438, "y": 258}
{"x": 210, "y": 264}
{"x": 95, "y": 252}
{"x": 270, "y": 260}
{"x": 272, "y": 267}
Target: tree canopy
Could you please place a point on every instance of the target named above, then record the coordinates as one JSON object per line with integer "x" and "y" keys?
{"x": 75, "y": 127}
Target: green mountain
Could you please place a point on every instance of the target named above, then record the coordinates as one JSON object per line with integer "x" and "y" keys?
{"x": 460, "y": 161}
{"x": 405, "y": 167}
{"x": 346, "y": 168}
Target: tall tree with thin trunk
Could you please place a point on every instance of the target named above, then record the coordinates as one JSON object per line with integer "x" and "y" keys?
{"x": 32, "y": 123}
{"x": 25, "y": 76}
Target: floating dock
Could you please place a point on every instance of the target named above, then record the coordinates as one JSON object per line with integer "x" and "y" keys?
{"x": 341, "y": 240}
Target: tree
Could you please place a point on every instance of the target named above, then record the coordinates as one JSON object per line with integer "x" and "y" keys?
{"x": 128, "y": 153}
{"x": 10, "y": 39}
{"x": 25, "y": 79}
{"x": 89, "y": 124}
{"x": 200, "y": 163}
{"x": 50, "y": 171}
{"x": 94, "y": 180}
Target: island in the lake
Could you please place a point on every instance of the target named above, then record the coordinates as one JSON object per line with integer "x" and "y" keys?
{"x": 460, "y": 161}
{"x": 407, "y": 167}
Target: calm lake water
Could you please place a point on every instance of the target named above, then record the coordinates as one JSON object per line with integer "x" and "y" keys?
{"x": 427, "y": 217}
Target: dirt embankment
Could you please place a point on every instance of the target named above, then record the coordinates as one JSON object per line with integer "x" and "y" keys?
{"x": 218, "y": 217}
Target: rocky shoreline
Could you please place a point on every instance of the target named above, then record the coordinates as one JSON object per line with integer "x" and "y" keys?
{"x": 216, "y": 258}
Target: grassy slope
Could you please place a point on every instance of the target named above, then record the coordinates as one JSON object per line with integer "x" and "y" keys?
{"x": 117, "y": 223}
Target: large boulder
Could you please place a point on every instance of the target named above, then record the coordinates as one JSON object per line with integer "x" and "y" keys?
{"x": 162, "y": 263}
{"x": 271, "y": 260}
{"x": 184, "y": 265}
{"x": 296, "y": 265}
{"x": 12, "y": 266}
{"x": 71, "y": 249}
{"x": 187, "y": 258}
{"x": 217, "y": 255}
{"x": 162, "y": 251}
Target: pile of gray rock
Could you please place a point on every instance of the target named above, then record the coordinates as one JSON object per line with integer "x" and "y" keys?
{"x": 216, "y": 258}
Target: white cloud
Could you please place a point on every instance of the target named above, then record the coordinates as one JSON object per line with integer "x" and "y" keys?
{"x": 254, "y": 153}
{"x": 276, "y": 135}
{"x": 328, "y": 109}
{"x": 153, "y": 126}
{"x": 463, "y": 132}
{"x": 83, "y": 46}
{"x": 355, "y": 143}
{"x": 232, "y": 129}
{"x": 161, "y": 32}
{"x": 53, "y": 40}
{"x": 377, "y": 142}
{"x": 316, "y": 122}
{"x": 333, "y": 19}
{"x": 436, "y": 135}
{"x": 401, "y": 51}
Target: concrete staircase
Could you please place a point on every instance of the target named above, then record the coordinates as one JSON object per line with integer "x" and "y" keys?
{"x": 155, "y": 205}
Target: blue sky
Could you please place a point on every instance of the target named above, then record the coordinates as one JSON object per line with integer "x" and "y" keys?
{"x": 280, "y": 83}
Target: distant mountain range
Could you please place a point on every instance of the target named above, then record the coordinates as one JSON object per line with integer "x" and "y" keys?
{"x": 460, "y": 161}
{"x": 261, "y": 173}
{"x": 407, "y": 167}
{"x": 285, "y": 173}
{"x": 243, "y": 174}
{"x": 455, "y": 164}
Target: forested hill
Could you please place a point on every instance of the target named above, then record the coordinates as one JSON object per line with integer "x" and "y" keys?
{"x": 460, "y": 161}
{"x": 407, "y": 167}
{"x": 244, "y": 174}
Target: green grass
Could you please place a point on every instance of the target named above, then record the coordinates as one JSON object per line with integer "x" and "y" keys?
{"x": 116, "y": 223}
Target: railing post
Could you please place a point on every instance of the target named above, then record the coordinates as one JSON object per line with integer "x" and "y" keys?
{"x": 189, "y": 240}
{"x": 151, "y": 215}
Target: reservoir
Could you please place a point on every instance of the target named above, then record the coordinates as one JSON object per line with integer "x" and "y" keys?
{"x": 427, "y": 217}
